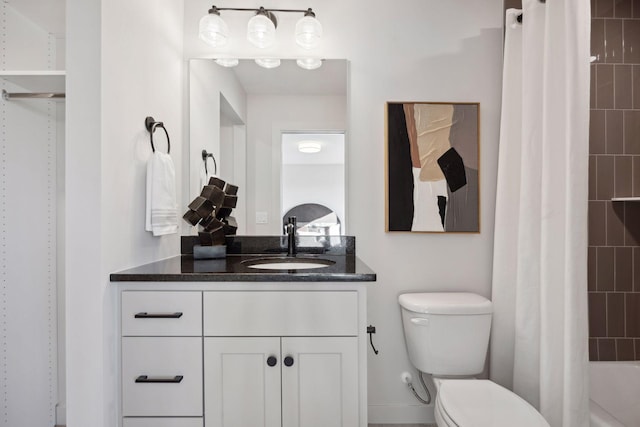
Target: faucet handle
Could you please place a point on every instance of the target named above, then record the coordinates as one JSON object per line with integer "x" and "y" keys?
{"x": 292, "y": 220}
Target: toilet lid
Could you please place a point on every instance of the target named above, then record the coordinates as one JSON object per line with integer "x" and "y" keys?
{"x": 482, "y": 403}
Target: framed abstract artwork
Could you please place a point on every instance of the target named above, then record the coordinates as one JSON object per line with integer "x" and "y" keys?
{"x": 432, "y": 167}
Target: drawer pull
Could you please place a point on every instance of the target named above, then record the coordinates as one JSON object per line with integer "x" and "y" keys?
{"x": 146, "y": 379}
{"x": 145, "y": 315}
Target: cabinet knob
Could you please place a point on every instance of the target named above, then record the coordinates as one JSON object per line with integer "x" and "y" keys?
{"x": 271, "y": 361}
{"x": 288, "y": 361}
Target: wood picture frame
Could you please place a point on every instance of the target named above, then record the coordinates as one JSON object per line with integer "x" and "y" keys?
{"x": 432, "y": 167}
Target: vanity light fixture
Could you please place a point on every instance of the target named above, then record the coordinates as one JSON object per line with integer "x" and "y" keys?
{"x": 309, "y": 63}
{"x": 213, "y": 30}
{"x": 261, "y": 29}
{"x": 309, "y": 147}
{"x": 308, "y": 30}
{"x": 268, "y": 62}
{"x": 227, "y": 62}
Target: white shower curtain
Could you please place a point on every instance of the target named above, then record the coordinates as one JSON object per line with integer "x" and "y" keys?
{"x": 539, "y": 336}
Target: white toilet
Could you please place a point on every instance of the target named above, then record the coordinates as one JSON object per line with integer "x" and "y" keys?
{"x": 447, "y": 336}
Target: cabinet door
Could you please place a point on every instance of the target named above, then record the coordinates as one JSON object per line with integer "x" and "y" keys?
{"x": 241, "y": 388}
{"x": 320, "y": 388}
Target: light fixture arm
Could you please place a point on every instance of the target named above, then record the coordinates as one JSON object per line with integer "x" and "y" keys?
{"x": 242, "y": 9}
{"x": 263, "y": 11}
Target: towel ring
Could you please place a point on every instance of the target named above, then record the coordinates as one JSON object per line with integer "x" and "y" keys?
{"x": 205, "y": 155}
{"x": 151, "y": 126}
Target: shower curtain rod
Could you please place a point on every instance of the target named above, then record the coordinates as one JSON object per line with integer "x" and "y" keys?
{"x": 7, "y": 96}
{"x": 519, "y": 18}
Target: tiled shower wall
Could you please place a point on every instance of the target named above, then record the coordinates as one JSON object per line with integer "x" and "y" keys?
{"x": 614, "y": 171}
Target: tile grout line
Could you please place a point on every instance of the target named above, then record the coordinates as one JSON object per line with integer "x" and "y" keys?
{"x": 615, "y": 270}
{"x": 595, "y": 79}
{"x": 606, "y": 53}
{"x": 606, "y": 315}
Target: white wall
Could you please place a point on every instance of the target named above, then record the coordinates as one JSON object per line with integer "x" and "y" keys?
{"x": 85, "y": 284}
{"x": 421, "y": 50}
{"x": 124, "y": 62}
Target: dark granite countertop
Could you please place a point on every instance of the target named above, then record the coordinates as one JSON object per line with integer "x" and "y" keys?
{"x": 347, "y": 268}
{"x": 340, "y": 251}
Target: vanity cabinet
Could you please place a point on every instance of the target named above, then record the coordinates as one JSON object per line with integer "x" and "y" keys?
{"x": 161, "y": 347}
{"x": 237, "y": 358}
{"x": 281, "y": 358}
{"x": 287, "y": 381}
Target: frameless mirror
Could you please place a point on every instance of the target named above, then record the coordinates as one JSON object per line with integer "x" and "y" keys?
{"x": 279, "y": 134}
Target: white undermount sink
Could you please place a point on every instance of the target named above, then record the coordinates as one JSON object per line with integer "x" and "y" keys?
{"x": 287, "y": 263}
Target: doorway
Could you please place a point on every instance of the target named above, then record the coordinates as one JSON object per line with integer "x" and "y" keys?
{"x": 313, "y": 181}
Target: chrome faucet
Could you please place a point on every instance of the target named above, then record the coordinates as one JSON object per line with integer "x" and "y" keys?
{"x": 290, "y": 228}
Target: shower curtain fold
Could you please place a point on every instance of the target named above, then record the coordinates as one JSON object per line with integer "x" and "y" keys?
{"x": 539, "y": 337}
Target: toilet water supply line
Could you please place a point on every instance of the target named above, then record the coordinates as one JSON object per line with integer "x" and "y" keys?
{"x": 406, "y": 378}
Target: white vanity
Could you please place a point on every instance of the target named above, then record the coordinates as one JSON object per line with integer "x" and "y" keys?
{"x": 238, "y": 353}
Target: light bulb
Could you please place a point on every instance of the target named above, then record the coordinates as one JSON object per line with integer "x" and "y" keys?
{"x": 308, "y": 31}
{"x": 213, "y": 30}
{"x": 309, "y": 63}
{"x": 309, "y": 147}
{"x": 261, "y": 31}
{"x": 227, "y": 62}
{"x": 268, "y": 62}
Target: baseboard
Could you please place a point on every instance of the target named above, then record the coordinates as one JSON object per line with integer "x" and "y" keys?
{"x": 400, "y": 414}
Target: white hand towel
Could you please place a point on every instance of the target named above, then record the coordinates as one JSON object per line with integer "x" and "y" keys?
{"x": 161, "y": 212}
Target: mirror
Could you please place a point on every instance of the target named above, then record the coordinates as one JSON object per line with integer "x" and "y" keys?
{"x": 259, "y": 125}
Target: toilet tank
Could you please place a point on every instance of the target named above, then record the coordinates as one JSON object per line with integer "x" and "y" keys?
{"x": 446, "y": 333}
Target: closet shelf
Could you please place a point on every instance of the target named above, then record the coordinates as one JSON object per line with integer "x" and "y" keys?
{"x": 37, "y": 81}
{"x": 625, "y": 199}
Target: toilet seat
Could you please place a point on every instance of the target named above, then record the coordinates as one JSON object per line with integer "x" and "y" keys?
{"x": 442, "y": 418}
{"x": 483, "y": 403}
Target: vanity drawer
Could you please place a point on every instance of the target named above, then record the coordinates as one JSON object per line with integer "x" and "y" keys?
{"x": 162, "y": 422}
{"x": 162, "y": 376}
{"x": 156, "y": 313}
{"x": 274, "y": 313}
